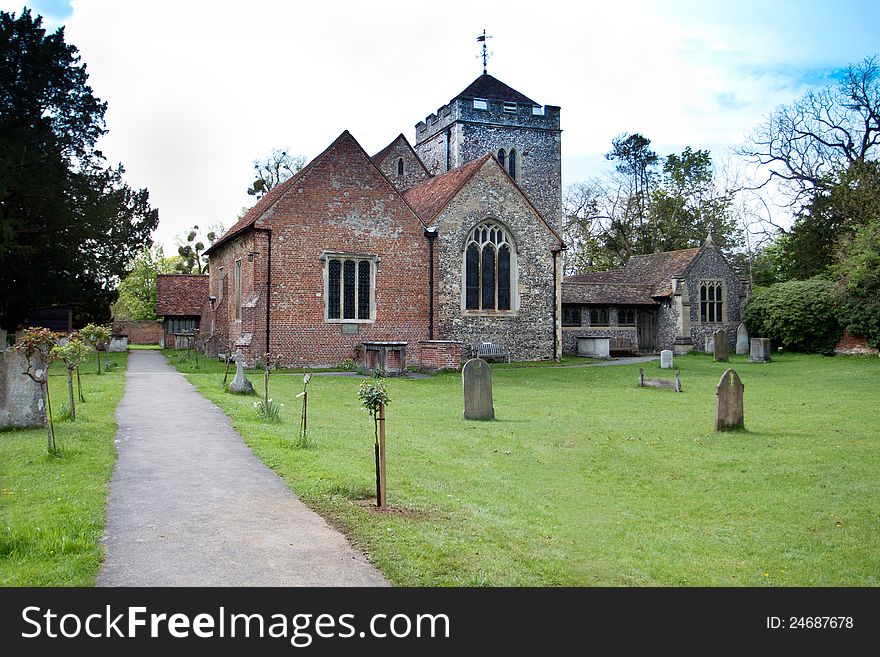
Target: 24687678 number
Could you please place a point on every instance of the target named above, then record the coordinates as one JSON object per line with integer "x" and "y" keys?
{"x": 820, "y": 622}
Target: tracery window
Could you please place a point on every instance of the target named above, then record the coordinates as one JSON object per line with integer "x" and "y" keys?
{"x": 350, "y": 288}
{"x": 489, "y": 268}
{"x": 712, "y": 302}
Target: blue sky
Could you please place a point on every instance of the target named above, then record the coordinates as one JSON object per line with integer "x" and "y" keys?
{"x": 197, "y": 89}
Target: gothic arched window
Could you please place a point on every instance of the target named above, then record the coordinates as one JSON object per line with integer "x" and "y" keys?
{"x": 489, "y": 268}
{"x": 501, "y": 156}
{"x": 511, "y": 163}
{"x": 400, "y": 166}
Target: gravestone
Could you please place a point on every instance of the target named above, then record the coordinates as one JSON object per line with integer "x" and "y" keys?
{"x": 729, "y": 411}
{"x": 476, "y": 379}
{"x": 21, "y": 399}
{"x": 118, "y": 343}
{"x": 666, "y": 359}
{"x": 710, "y": 344}
{"x": 759, "y": 351}
{"x": 240, "y": 385}
{"x": 721, "y": 349}
{"x": 742, "y": 340}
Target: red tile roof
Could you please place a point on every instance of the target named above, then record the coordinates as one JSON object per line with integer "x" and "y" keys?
{"x": 181, "y": 295}
{"x": 429, "y": 198}
{"x": 489, "y": 87}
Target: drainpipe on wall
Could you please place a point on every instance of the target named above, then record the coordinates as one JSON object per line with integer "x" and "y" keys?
{"x": 268, "y": 232}
{"x": 556, "y": 253}
{"x": 431, "y": 234}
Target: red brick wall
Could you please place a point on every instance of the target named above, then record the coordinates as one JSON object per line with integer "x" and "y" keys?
{"x": 440, "y": 354}
{"x": 341, "y": 204}
{"x": 139, "y": 331}
{"x": 854, "y": 345}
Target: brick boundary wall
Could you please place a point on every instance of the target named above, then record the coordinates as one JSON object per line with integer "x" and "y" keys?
{"x": 440, "y": 354}
{"x": 854, "y": 346}
{"x": 143, "y": 331}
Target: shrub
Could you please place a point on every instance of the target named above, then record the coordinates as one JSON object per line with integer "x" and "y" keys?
{"x": 268, "y": 410}
{"x": 797, "y": 315}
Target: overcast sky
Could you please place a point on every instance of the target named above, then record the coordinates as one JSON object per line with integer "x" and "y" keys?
{"x": 199, "y": 89}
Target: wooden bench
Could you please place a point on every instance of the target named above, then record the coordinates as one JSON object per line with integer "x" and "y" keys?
{"x": 490, "y": 350}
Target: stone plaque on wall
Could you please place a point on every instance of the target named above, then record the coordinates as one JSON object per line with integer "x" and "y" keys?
{"x": 350, "y": 329}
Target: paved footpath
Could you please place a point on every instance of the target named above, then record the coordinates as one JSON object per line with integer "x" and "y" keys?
{"x": 190, "y": 505}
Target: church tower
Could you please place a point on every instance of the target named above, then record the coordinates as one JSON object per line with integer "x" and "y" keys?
{"x": 491, "y": 117}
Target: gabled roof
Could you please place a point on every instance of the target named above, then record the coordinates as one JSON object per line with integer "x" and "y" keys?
{"x": 181, "y": 294}
{"x": 429, "y": 198}
{"x": 264, "y": 204}
{"x": 381, "y": 155}
{"x": 607, "y": 293}
{"x": 492, "y": 88}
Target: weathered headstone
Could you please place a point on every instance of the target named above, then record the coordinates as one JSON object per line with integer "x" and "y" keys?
{"x": 710, "y": 344}
{"x": 670, "y": 384}
{"x": 729, "y": 411}
{"x": 721, "y": 348}
{"x": 240, "y": 384}
{"x": 666, "y": 359}
{"x": 742, "y": 340}
{"x": 21, "y": 399}
{"x": 118, "y": 343}
{"x": 476, "y": 379}
{"x": 759, "y": 351}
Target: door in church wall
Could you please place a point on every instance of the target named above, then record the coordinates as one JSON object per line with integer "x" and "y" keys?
{"x": 645, "y": 325}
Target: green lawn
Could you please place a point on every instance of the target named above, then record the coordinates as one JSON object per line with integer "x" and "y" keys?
{"x": 53, "y": 508}
{"x": 585, "y": 479}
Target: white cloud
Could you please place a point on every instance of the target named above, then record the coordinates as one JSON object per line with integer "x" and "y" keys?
{"x": 198, "y": 89}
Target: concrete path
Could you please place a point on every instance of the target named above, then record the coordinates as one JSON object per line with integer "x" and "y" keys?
{"x": 190, "y": 505}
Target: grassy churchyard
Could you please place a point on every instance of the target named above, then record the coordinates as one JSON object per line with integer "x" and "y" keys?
{"x": 53, "y": 508}
{"x": 586, "y": 479}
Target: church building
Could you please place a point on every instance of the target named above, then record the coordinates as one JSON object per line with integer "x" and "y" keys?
{"x": 439, "y": 245}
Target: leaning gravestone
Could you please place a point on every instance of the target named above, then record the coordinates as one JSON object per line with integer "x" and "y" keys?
{"x": 729, "y": 411}
{"x": 742, "y": 340}
{"x": 21, "y": 399}
{"x": 666, "y": 359}
{"x": 476, "y": 378}
{"x": 721, "y": 347}
{"x": 240, "y": 385}
{"x": 759, "y": 351}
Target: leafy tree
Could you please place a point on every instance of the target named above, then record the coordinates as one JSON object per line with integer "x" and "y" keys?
{"x": 36, "y": 346}
{"x": 98, "y": 336}
{"x": 629, "y": 230}
{"x": 582, "y": 228}
{"x": 687, "y": 206}
{"x": 137, "y": 291}
{"x": 69, "y": 225}
{"x": 191, "y": 249}
{"x": 74, "y": 354}
{"x": 273, "y": 170}
{"x": 798, "y": 315}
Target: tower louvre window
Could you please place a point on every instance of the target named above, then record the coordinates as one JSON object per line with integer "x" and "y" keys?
{"x": 537, "y": 111}
{"x": 481, "y": 104}
{"x": 510, "y": 107}
{"x": 489, "y": 269}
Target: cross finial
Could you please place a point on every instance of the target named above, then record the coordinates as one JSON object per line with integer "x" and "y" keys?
{"x": 485, "y": 54}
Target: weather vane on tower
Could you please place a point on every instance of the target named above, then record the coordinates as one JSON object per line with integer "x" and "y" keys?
{"x": 485, "y": 54}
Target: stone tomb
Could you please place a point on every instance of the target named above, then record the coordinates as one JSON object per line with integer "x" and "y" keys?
{"x": 240, "y": 384}
{"x": 720, "y": 352}
{"x": 671, "y": 384}
{"x": 729, "y": 411}
{"x": 759, "y": 351}
{"x": 666, "y": 359}
{"x": 742, "y": 340}
{"x": 476, "y": 379}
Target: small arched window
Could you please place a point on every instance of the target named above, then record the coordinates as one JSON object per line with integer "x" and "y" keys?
{"x": 501, "y": 156}
{"x": 400, "y": 166}
{"x": 488, "y": 268}
{"x": 511, "y": 164}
